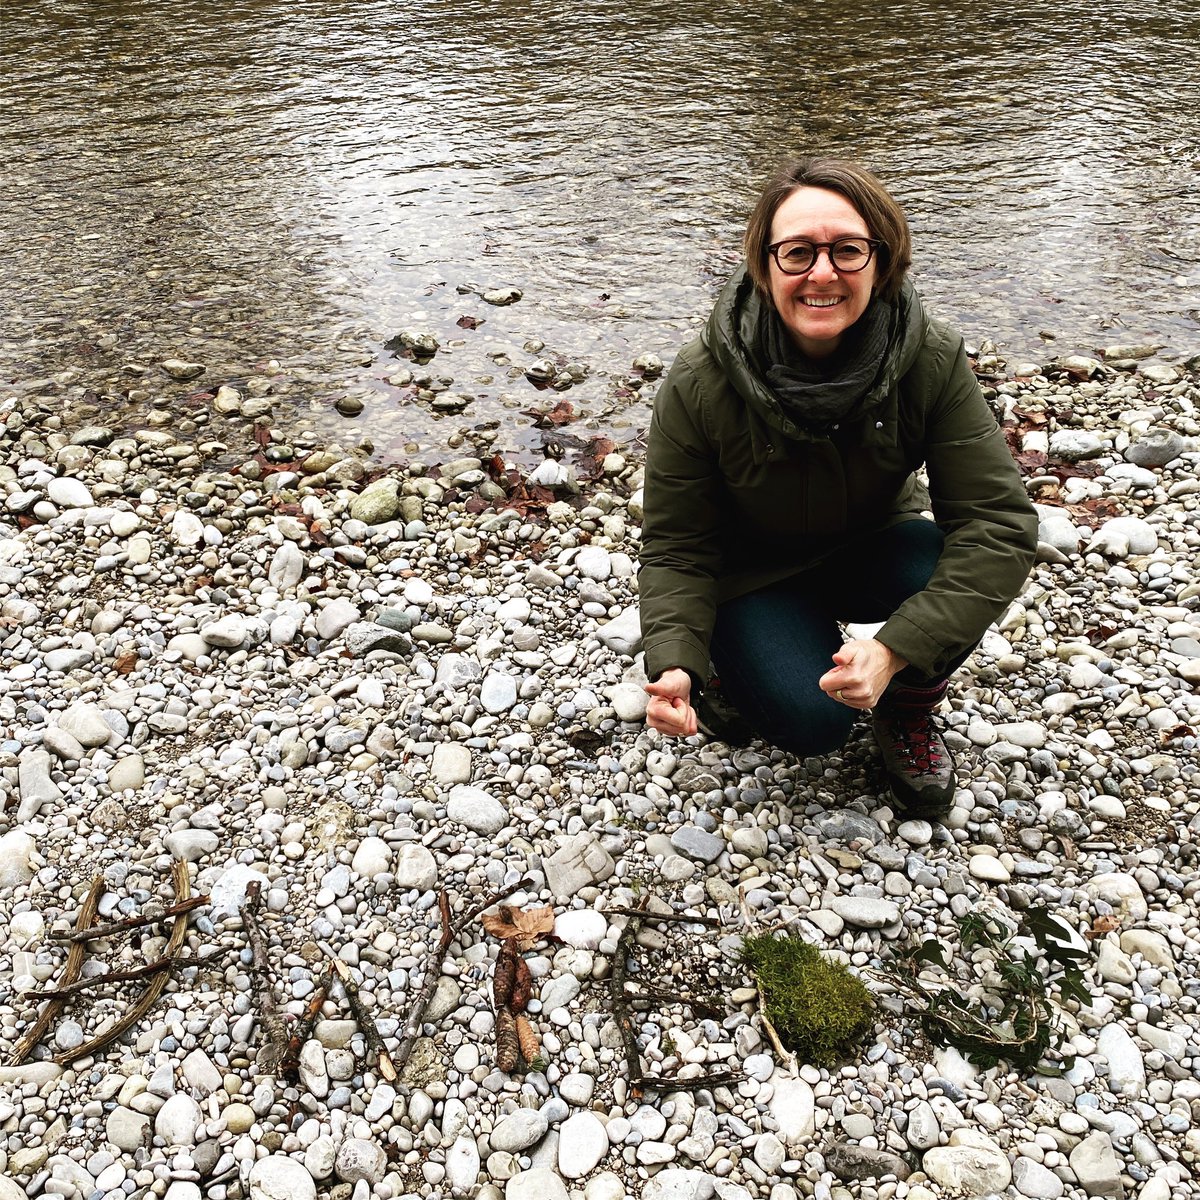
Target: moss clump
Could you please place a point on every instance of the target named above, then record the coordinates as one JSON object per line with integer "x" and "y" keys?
{"x": 819, "y": 1009}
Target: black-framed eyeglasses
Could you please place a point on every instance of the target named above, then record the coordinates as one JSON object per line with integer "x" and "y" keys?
{"x": 796, "y": 256}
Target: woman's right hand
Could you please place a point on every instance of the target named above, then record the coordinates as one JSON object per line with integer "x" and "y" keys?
{"x": 670, "y": 709}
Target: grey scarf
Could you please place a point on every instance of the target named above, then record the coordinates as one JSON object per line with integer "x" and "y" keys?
{"x": 816, "y": 394}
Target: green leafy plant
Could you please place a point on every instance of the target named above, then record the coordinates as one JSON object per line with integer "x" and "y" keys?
{"x": 1006, "y": 1006}
{"x": 817, "y": 1006}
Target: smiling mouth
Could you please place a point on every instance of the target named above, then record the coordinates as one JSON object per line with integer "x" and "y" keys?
{"x": 821, "y": 301}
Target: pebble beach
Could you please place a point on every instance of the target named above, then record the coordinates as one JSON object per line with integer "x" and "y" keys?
{"x": 362, "y": 689}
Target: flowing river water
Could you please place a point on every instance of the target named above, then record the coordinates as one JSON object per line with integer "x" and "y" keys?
{"x": 262, "y": 182}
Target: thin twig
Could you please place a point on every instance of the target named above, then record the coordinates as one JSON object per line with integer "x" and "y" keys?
{"x": 96, "y": 932}
{"x": 366, "y": 1022}
{"x": 145, "y": 1002}
{"x": 94, "y": 981}
{"x": 786, "y": 1055}
{"x": 433, "y": 967}
{"x": 697, "y": 1004}
{"x": 671, "y": 1083}
{"x": 273, "y": 1025}
{"x": 433, "y": 972}
{"x": 289, "y": 1065}
{"x": 651, "y": 915}
{"x": 633, "y": 1060}
{"x": 71, "y": 969}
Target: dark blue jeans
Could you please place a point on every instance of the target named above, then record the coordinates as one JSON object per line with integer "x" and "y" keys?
{"x": 770, "y": 647}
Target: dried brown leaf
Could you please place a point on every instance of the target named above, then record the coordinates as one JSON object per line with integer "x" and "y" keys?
{"x": 526, "y": 926}
{"x": 561, "y": 414}
{"x": 125, "y": 663}
{"x": 1101, "y": 926}
{"x": 508, "y": 1048}
{"x": 527, "y": 1041}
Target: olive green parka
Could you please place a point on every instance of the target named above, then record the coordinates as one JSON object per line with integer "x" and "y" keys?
{"x": 737, "y": 496}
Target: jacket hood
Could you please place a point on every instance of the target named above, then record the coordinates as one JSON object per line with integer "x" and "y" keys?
{"x": 731, "y": 336}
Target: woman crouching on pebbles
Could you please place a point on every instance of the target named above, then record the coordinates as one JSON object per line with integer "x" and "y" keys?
{"x": 781, "y": 499}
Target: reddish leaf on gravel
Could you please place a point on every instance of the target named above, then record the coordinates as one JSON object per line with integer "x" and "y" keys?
{"x": 125, "y": 663}
{"x": 592, "y": 456}
{"x": 561, "y": 414}
{"x": 469, "y": 322}
{"x": 476, "y": 503}
{"x": 262, "y": 435}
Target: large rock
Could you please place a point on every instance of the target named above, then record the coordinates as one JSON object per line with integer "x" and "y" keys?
{"x": 971, "y": 1164}
{"x": 848, "y": 1161}
{"x": 278, "y": 1177}
{"x": 178, "y": 1120}
{"x": 794, "y": 1107}
{"x": 582, "y": 1143}
{"x": 623, "y": 634}
{"x": 377, "y": 503}
{"x": 519, "y": 1130}
{"x": 540, "y": 1183}
{"x": 579, "y": 862}
{"x": 1126, "y": 1069}
{"x": 1097, "y": 1167}
{"x": 476, "y": 809}
{"x": 16, "y": 858}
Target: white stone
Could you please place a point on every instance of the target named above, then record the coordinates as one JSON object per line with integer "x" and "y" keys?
{"x": 540, "y": 1183}
{"x": 278, "y": 1177}
{"x": 226, "y": 633}
{"x": 1037, "y": 1182}
{"x": 374, "y": 856}
{"x": 177, "y": 1120}
{"x": 629, "y": 701}
{"x": 69, "y": 493}
{"x": 228, "y": 894}
{"x": 1096, "y": 1166}
{"x": 202, "y": 1076}
{"x": 583, "y": 928}
{"x": 186, "y": 528}
{"x": 287, "y": 567}
{"x": 794, "y": 1108}
{"x": 1123, "y": 536}
{"x": 476, "y": 809}
{"x": 582, "y": 1143}
{"x": 623, "y": 634}
{"x": 86, "y": 724}
{"x": 415, "y": 867}
{"x": 1126, "y": 1069}
{"x": 519, "y": 1130}
{"x": 451, "y": 764}
{"x": 498, "y": 692}
{"x": 971, "y": 1164}
{"x": 16, "y": 858}
{"x": 1122, "y": 891}
{"x": 865, "y": 912}
{"x": 594, "y": 562}
{"x": 359, "y": 1158}
{"x": 462, "y": 1164}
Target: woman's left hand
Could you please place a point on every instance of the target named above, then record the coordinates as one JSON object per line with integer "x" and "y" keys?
{"x": 864, "y": 669}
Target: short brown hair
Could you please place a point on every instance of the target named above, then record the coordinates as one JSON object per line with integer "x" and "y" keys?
{"x": 884, "y": 217}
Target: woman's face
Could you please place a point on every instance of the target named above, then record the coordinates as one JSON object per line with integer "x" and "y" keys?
{"x": 819, "y": 307}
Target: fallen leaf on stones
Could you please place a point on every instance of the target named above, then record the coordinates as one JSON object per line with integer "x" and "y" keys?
{"x": 525, "y": 926}
{"x": 1179, "y": 731}
{"x": 1101, "y": 926}
{"x": 562, "y": 413}
{"x": 126, "y": 662}
{"x": 469, "y": 322}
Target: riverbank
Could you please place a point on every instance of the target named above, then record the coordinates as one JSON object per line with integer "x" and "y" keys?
{"x": 361, "y": 689}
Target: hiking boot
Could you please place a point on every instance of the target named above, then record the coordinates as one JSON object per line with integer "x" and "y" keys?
{"x": 920, "y": 770}
{"x": 718, "y": 719}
